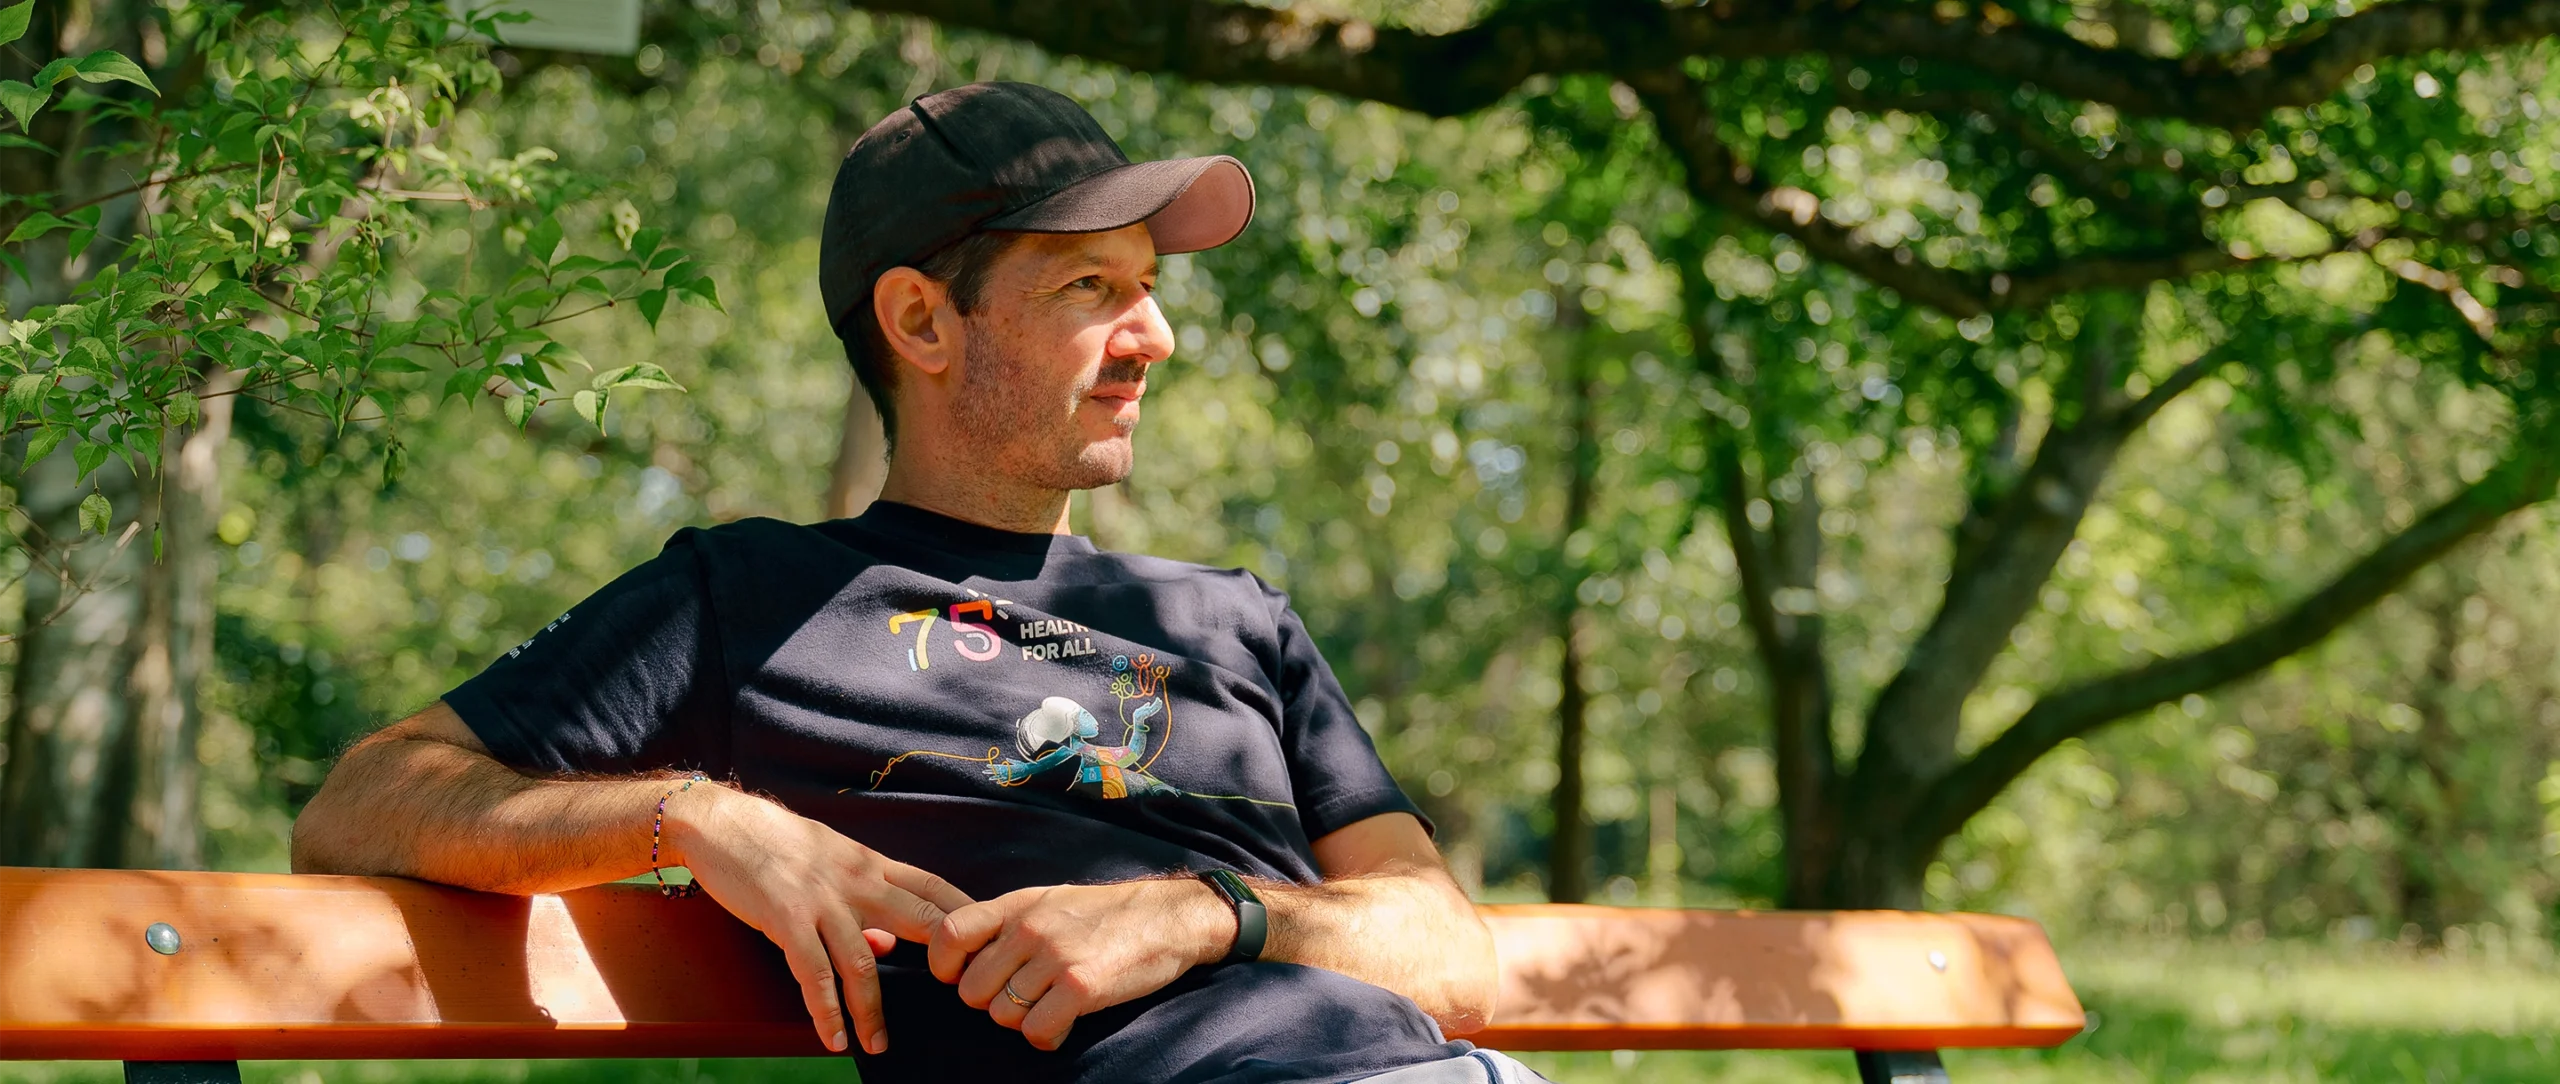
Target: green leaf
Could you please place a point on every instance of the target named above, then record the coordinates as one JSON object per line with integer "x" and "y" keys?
{"x": 394, "y": 334}
{"x": 639, "y": 375}
{"x": 543, "y": 240}
{"x": 395, "y": 458}
{"x": 43, "y": 442}
{"x": 520, "y": 409}
{"x": 590, "y": 405}
{"x": 26, "y": 392}
{"x": 41, "y": 222}
{"x": 54, "y": 73}
{"x": 652, "y": 303}
{"x": 390, "y": 363}
{"x": 14, "y": 19}
{"x": 88, "y": 456}
{"x": 646, "y": 240}
{"x": 10, "y": 140}
{"x": 702, "y": 291}
{"x": 155, "y": 544}
{"x": 95, "y": 513}
{"x": 22, "y": 101}
{"x": 463, "y": 383}
{"x": 108, "y": 65}
{"x": 183, "y": 409}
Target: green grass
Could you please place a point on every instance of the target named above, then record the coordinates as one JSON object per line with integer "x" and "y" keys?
{"x": 2211, "y": 1014}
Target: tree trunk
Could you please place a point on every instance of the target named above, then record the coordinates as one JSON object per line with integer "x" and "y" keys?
{"x": 1569, "y": 846}
{"x": 115, "y": 633}
{"x": 101, "y": 763}
{"x": 862, "y": 458}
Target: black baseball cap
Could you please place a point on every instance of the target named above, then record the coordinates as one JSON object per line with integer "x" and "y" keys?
{"x": 1006, "y": 156}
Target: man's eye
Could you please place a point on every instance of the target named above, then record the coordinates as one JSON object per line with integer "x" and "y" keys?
{"x": 1089, "y": 282}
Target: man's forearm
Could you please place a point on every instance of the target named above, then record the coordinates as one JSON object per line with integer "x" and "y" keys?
{"x": 1411, "y": 932}
{"x": 412, "y": 806}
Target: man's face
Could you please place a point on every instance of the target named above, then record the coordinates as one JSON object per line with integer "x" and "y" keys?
{"x": 1056, "y": 357}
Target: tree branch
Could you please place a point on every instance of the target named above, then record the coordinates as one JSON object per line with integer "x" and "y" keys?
{"x": 1719, "y": 178}
{"x": 1464, "y": 70}
{"x": 2525, "y": 478}
{"x": 2002, "y": 561}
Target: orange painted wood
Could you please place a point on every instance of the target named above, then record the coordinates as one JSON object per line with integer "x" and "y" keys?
{"x": 1606, "y": 978}
{"x": 278, "y": 966}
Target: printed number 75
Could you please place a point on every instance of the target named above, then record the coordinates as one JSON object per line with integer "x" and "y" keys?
{"x": 976, "y": 642}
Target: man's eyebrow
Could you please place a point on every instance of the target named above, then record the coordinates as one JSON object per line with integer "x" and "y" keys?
{"x": 1088, "y": 261}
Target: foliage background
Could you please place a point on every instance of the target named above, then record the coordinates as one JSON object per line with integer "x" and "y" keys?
{"x": 1374, "y": 407}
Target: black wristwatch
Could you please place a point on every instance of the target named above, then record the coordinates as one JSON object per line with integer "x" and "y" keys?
{"x": 1253, "y": 924}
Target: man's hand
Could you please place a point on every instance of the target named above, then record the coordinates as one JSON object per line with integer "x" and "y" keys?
{"x": 1075, "y": 949}
{"x": 831, "y": 904}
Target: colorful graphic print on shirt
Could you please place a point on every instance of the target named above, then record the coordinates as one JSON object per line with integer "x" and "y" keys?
{"x": 1059, "y": 741}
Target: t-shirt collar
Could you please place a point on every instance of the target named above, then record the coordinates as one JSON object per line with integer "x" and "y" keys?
{"x": 909, "y": 523}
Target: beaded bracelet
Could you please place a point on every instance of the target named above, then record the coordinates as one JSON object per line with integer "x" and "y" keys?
{"x": 657, "y": 831}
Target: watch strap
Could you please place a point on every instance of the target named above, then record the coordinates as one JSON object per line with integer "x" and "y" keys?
{"x": 1253, "y": 921}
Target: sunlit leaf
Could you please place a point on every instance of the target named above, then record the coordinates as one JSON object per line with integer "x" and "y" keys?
{"x": 26, "y": 390}
{"x": 636, "y": 375}
{"x": 96, "y": 514}
{"x": 590, "y": 405}
{"x": 107, "y": 65}
{"x": 14, "y": 19}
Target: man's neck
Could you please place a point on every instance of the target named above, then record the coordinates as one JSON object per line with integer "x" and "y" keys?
{"x": 970, "y": 493}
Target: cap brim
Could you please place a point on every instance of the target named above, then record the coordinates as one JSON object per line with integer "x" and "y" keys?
{"x": 1188, "y": 204}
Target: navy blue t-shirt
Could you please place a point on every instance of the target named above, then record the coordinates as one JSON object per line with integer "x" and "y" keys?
{"x": 1004, "y": 710}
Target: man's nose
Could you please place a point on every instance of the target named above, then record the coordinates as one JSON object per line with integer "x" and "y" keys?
{"x": 1142, "y": 336}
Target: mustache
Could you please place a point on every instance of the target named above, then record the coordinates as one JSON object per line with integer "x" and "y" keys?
{"x": 1117, "y": 372}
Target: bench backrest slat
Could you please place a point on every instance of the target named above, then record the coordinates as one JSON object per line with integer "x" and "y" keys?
{"x": 275, "y": 966}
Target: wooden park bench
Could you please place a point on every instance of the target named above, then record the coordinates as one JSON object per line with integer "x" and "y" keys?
{"x": 181, "y": 975}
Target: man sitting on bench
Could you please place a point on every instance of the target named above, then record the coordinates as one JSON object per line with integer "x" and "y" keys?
{"x": 1116, "y": 807}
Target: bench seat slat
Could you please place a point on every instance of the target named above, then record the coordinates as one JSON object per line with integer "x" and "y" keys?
{"x": 1602, "y": 978}
{"x": 274, "y": 966}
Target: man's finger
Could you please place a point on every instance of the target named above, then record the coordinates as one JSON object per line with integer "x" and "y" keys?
{"x": 934, "y": 890}
{"x": 886, "y": 906}
{"x": 1052, "y": 1018}
{"x": 959, "y": 934}
{"x": 881, "y": 941}
{"x": 1028, "y": 982}
{"x": 992, "y": 967}
{"x": 806, "y": 953}
{"x": 859, "y": 973}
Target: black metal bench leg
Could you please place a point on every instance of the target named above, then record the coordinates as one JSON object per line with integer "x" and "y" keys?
{"x": 182, "y": 1072}
{"x": 1900, "y": 1067}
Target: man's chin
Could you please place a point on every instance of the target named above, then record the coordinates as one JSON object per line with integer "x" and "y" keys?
{"x": 1104, "y": 463}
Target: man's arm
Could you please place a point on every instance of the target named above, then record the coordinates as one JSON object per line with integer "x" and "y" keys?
{"x": 423, "y": 798}
{"x": 1388, "y": 913}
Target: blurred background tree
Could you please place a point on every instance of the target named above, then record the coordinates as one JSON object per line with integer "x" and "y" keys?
{"x": 1628, "y": 506}
{"x": 213, "y": 223}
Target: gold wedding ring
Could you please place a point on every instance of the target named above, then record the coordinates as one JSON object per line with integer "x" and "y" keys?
{"x": 1009, "y": 995}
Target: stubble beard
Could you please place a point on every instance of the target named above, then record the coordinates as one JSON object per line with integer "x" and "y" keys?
{"x": 1029, "y": 435}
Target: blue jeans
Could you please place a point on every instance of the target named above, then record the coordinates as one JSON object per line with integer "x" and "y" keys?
{"x": 1473, "y": 1067}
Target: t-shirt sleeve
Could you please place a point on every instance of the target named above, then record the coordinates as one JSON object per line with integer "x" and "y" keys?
{"x": 1333, "y": 766}
{"x": 628, "y": 680}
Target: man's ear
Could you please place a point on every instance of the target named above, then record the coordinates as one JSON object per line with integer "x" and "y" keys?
{"x": 916, "y": 318}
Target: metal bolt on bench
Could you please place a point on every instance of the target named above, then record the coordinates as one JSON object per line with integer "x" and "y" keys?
{"x": 180, "y": 975}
